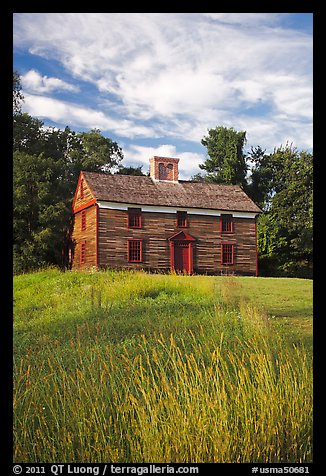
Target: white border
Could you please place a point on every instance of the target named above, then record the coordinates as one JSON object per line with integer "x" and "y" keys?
{"x": 161, "y": 209}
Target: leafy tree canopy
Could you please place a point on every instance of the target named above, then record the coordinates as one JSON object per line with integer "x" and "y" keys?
{"x": 18, "y": 97}
{"x": 46, "y": 165}
{"x": 284, "y": 183}
{"x": 226, "y": 160}
{"x": 130, "y": 170}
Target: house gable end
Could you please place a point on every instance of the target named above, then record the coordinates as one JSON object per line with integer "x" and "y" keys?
{"x": 84, "y": 195}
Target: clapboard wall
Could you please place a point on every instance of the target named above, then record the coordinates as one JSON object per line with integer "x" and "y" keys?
{"x": 113, "y": 234}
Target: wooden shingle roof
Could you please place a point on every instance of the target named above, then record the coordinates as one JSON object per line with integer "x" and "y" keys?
{"x": 142, "y": 190}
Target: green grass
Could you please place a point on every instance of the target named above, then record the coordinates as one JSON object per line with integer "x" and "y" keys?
{"x": 131, "y": 367}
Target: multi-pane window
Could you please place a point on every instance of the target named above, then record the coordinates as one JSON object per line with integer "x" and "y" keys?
{"x": 227, "y": 253}
{"x": 135, "y": 251}
{"x": 134, "y": 218}
{"x": 182, "y": 219}
{"x": 83, "y": 220}
{"x": 226, "y": 223}
{"x": 82, "y": 252}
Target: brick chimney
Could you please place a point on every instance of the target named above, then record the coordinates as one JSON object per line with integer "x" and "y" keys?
{"x": 164, "y": 169}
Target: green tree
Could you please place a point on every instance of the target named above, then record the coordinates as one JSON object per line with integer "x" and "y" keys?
{"x": 259, "y": 186}
{"x": 285, "y": 230}
{"x": 28, "y": 134}
{"x": 40, "y": 216}
{"x": 47, "y": 163}
{"x": 18, "y": 97}
{"x": 98, "y": 153}
{"x": 226, "y": 162}
{"x": 130, "y": 170}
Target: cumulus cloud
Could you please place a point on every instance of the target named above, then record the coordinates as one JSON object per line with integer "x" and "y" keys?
{"x": 33, "y": 81}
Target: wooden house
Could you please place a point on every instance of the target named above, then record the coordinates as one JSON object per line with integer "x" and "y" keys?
{"x": 161, "y": 223}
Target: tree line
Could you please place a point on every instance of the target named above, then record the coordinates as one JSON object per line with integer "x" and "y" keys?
{"x": 47, "y": 162}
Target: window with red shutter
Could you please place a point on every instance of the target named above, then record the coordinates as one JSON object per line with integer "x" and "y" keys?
{"x": 83, "y": 220}
{"x": 226, "y": 223}
{"x": 135, "y": 251}
{"x": 227, "y": 253}
{"x": 182, "y": 219}
{"x": 82, "y": 252}
{"x": 134, "y": 218}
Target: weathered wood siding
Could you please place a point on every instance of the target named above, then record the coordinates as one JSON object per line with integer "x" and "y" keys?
{"x": 88, "y": 235}
{"x": 113, "y": 234}
{"x": 79, "y": 200}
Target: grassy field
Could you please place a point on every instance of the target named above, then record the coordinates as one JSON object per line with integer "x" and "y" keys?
{"x": 131, "y": 367}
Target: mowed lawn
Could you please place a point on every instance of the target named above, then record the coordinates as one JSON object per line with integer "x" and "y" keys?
{"x": 288, "y": 301}
{"x": 133, "y": 367}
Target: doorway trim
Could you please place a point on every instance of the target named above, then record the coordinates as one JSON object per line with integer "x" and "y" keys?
{"x": 185, "y": 240}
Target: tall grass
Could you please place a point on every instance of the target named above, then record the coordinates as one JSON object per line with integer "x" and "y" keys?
{"x": 214, "y": 383}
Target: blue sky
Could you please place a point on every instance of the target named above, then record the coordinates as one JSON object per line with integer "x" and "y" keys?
{"x": 156, "y": 82}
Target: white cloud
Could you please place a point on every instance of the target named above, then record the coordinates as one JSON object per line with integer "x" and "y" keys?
{"x": 66, "y": 113}
{"x": 270, "y": 134}
{"x": 177, "y": 74}
{"x": 33, "y": 82}
{"x": 244, "y": 18}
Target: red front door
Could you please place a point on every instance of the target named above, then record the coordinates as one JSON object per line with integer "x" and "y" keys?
{"x": 181, "y": 252}
{"x": 182, "y": 259}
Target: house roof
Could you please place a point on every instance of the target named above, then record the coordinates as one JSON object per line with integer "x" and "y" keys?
{"x": 142, "y": 190}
